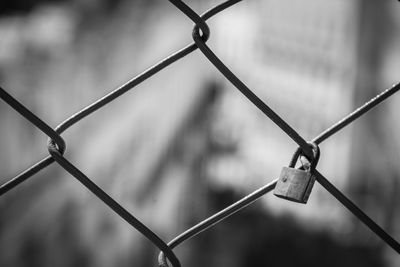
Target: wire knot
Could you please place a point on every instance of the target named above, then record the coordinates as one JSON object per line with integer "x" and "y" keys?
{"x": 204, "y": 35}
{"x": 56, "y": 147}
{"x": 200, "y": 23}
{"x": 311, "y": 163}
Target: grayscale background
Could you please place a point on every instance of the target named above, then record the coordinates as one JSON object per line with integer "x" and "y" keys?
{"x": 185, "y": 143}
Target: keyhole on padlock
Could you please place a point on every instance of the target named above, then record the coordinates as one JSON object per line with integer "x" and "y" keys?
{"x": 284, "y": 179}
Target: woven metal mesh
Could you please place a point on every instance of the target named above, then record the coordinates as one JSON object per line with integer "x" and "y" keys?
{"x": 57, "y": 146}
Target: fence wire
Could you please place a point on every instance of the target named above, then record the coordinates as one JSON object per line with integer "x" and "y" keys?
{"x": 201, "y": 32}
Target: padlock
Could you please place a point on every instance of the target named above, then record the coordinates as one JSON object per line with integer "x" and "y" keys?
{"x": 296, "y": 184}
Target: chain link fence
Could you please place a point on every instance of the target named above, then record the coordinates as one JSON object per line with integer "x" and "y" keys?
{"x": 308, "y": 151}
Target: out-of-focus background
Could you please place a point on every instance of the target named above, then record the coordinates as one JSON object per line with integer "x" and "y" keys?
{"x": 185, "y": 143}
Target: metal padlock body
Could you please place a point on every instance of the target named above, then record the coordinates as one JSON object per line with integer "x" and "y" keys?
{"x": 294, "y": 185}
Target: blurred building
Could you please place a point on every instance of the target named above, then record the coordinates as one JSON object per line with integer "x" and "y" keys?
{"x": 313, "y": 62}
{"x": 300, "y": 57}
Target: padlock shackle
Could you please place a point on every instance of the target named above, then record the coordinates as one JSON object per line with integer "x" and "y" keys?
{"x": 299, "y": 152}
